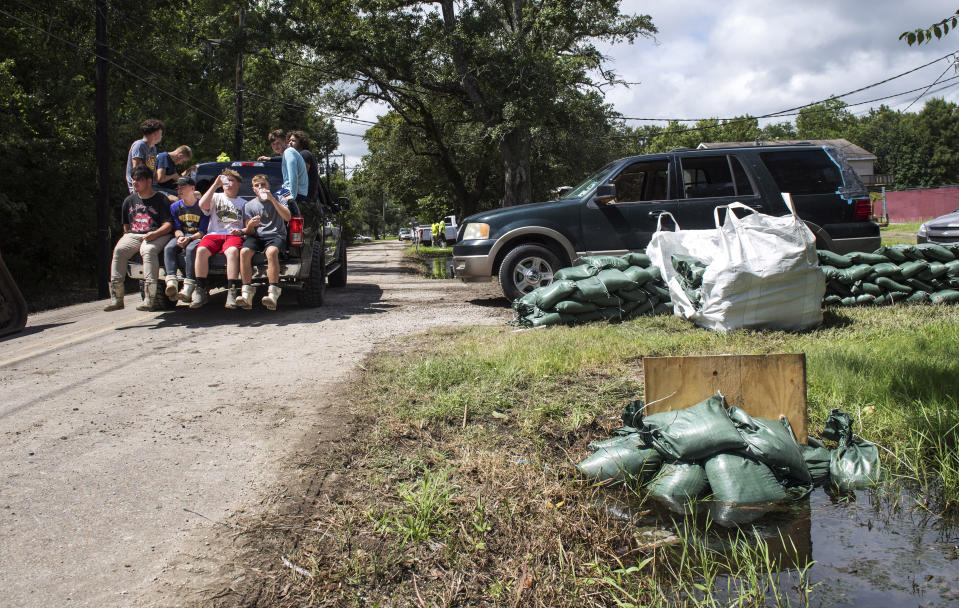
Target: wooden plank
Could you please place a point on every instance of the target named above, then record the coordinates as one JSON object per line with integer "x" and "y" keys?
{"x": 766, "y": 386}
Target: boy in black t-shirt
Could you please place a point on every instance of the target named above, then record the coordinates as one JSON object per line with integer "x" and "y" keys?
{"x": 146, "y": 229}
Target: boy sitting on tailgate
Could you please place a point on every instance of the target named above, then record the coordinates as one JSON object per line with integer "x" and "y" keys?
{"x": 265, "y": 231}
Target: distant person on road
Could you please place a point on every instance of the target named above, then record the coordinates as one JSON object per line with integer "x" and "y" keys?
{"x": 144, "y": 150}
{"x": 301, "y": 141}
{"x": 167, "y": 162}
{"x": 189, "y": 226}
{"x": 146, "y": 229}
{"x": 435, "y": 234}
{"x": 224, "y": 233}
{"x": 265, "y": 231}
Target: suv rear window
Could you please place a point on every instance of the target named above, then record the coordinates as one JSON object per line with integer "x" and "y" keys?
{"x": 803, "y": 171}
{"x": 706, "y": 176}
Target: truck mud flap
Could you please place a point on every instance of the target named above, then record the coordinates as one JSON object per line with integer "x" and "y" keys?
{"x": 13, "y": 308}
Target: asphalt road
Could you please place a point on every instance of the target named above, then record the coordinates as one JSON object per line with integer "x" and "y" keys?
{"x": 130, "y": 438}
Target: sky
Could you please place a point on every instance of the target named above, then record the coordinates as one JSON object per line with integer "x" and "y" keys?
{"x": 723, "y": 59}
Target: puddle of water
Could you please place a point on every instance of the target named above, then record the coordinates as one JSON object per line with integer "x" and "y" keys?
{"x": 873, "y": 549}
{"x": 440, "y": 268}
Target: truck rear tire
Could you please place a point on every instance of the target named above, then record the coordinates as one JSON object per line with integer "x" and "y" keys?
{"x": 314, "y": 289}
{"x": 337, "y": 278}
{"x": 525, "y": 268}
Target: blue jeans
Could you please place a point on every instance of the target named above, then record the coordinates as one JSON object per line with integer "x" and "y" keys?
{"x": 170, "y": 257}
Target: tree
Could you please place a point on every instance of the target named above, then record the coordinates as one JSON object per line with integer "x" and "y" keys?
{"x": 827, "y": 120}
{"x": 939, "y": 29}
{"x": 496, "y": 67}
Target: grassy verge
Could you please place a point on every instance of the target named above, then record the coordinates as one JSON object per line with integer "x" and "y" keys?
{"x": 460, "y": 489}
{"x": 899, "y": 234}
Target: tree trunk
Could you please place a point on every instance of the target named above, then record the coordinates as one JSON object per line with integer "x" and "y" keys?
{"x": 518, "y": 189}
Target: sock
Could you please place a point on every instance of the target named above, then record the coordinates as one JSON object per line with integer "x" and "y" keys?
{"x": 274, "y": 284}
{"x": 232, "y": 283}
{"x": 201, "y": 282}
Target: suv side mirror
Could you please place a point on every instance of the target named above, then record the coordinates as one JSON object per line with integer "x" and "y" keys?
{"x": 605, "y": 193}
{"x": 343, "y": 203}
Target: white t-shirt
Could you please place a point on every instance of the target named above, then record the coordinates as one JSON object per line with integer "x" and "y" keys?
{"x": 225, "y": 214}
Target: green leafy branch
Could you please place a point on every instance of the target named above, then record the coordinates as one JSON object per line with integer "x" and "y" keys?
{"x": 938, "y": 30}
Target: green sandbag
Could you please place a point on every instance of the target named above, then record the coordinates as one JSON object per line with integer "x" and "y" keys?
{"x": 855, "y": 466}
{"x": 663, "y": 308}
{"x": 611, "y": 313}
{"x": 893, "y": 252}
{"x": 689, "y": 268}
{"x": 861, "y": 287}
{"x": 771, "y": 443}
{"x": 935, "y": 253}
{"x": 918, "y": 285}
{"x": 641, "y": 275}
{"x": 838, "y": 288}
{"x": 817, "y": 459}
{"x": 865, "y": 299}
{"x": 548, "y": 296}
{"x": 575, "y": 308}
{"x": 633, "y": 295}
{"x": 737, "y": 479}
{"x": 945, "y": 296}
{"x": 614, "y": 280}
{"x": 838, "y": 424}
{"x": 937, "y": 270}
{"x": 910, "y": 269}
{"x": 861, "y": 257}
{"x": 678, "y": 482}
{"x": 658, "y": 290}
{"x": 693, "y": 433}
{"x": 952, "y": 268}
{"x": 550, "y": 318}
{"x": 527, "y": 304}
{"x": 574, "y": 273}
{"x": 830, "y": 258}
{"x": 607, "y": 301}
{"x": 602, "y": 262}
{"x": 630, "y": 459}
{"x": 890, "y": 285}
{"x": 831, "y": 272}
{"x": 635, "y": 258}
{"x": 627, "y": 439}
{"x": 852, "y": 274}
{"x": 832, "y": 300}
{"x": 895, "y": 297}
{"x": 886, "y": 269}
{"x": 641, "y": 308}
{"x": 850, "y": 301}
{"x": 587, "y": 289}
{"x": 589, "y": 317}
{"x": 919, "y": 297}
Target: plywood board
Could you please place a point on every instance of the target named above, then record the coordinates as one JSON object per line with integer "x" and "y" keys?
{"x": 766, "y": 386}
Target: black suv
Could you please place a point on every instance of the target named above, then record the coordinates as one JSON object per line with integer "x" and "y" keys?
{"x": 315, "y": 255}
{"x": 616, "y": 209}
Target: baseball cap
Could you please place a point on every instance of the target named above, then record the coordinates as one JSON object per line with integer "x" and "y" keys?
{"x": 186, "y": 181}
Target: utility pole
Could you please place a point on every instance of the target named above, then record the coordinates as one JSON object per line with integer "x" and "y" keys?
{"x": 102, "y": 151}
{"x": 238, "y": 117}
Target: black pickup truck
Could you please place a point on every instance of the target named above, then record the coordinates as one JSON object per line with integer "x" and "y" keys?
{"x": 315, "y": 253}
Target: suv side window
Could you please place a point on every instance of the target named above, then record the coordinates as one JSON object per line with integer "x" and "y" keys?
{"x": 803, "y": 171}
{"x": 643, "y": 181}
{"x": 708, "y": 176}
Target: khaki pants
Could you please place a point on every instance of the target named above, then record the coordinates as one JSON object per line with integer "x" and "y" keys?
{"x": 128, "y": 245}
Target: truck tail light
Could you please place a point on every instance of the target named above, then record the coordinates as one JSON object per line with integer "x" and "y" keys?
{"x": 296, "y": 230}
{"x": 861, "y": 209}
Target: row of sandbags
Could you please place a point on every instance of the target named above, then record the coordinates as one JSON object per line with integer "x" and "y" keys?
{"x": 715, "y": 450}
{"x": 603, "y": 287}
{"x": 927, "y": 272}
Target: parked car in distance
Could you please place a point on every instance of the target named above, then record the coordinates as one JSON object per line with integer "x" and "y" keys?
{"x": 616, "y": 209}
{"x": 943, "y": 229}
{"x": 405, "y": 235}
{"x": 359, "y": 238}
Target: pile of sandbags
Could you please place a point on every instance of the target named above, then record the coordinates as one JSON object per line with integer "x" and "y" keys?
{"x": 897, "y": 273}
{"x": 605, "y": 287}
{"x": 717, "y": 451}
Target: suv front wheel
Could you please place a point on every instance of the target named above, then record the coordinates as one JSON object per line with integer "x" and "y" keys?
{"x": 525, "y": 268}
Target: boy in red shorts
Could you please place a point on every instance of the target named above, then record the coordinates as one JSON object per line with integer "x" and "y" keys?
{"x": 224, "y": 233}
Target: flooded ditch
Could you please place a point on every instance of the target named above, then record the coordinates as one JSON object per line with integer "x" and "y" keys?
{"x": 878, "y": 548}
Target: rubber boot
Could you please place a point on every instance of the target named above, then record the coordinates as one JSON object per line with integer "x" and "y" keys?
{"x": 245, "y": 299}
{"x": 172, "y": 288}
{"x": 230, "y": 298}
{"x": 116, "y": 297}
{"x": 149, "y": 293}
{"x": 186, "y": 294}
{"x": 199, "y": 297}
{"x": 271, "y": 297}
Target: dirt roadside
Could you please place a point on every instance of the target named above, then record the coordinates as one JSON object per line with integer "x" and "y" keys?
{"x": 137, "y": 446}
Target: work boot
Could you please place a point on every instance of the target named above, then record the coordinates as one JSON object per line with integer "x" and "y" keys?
{"x": 245, "y": 299}
{"x": 149, "y": 293}
{"x": 272, "y": 295}
{"x": 186, "y": 294}
{"x": 230, "y": 298}
{"x": 172, "y": 288}
{"x": 116, "y": 297}
{"x": 199, "y": 297}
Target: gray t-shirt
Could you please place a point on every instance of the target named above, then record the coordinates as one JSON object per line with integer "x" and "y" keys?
{"x": 271, "y": 224}
{"x": 140, "y": 149}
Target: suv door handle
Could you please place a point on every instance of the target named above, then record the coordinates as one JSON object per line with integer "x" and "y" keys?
{"x": 656, "y": 212}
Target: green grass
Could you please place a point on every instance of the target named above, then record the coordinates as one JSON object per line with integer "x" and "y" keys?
{"x": 899, "y": 234}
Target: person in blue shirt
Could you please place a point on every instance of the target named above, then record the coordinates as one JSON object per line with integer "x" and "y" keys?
{"x": 294, "y": 167}
{"x": 189, "y": 226}
{"x": 167, "y": 162}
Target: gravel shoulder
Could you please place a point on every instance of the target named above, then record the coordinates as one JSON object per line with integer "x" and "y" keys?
{"x": 134, "y": 442}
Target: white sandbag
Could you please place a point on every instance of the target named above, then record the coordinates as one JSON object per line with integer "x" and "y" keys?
{"x": 762, "y": 271}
